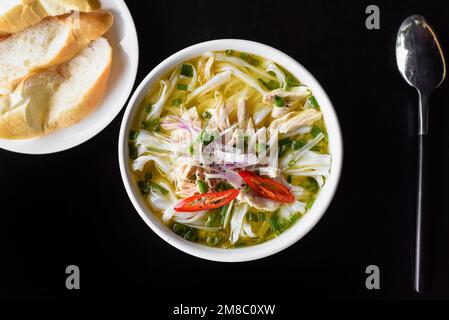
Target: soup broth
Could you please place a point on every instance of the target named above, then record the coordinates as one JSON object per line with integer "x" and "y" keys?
{"x": 229, "y": 149}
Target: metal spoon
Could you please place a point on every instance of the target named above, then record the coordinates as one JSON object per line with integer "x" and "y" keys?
{"x": 421, "y": 62}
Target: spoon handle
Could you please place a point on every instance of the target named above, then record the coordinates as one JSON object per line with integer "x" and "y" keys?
{"x": 422, "y": 197}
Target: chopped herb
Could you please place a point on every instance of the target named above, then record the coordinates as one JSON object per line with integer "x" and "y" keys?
{"x": 193, "y": 177}
{"x": 152, "y": 125}
{"x": 158, "y": 189}
{"x": 291, "y": 81}
{"x": 212, "y": 241}
{"x": 283, "y": 150}
{"x": 223, "y": 186}
{"x": 212, "y": 219}
{"x": 202, "y": 186}
{"x": 191, "y": 236}
{"x": 253, "y": 217}
{"x": 310, "y": 184}
{"x": 270, "y": 85}
{"x": 291, "y": 163}
{"x": 180, "y": 229}
{"x": 289, "y": 179}
{"x": 144, "y": 187}
{"x": 148, "y": 176}
{"x": 316, "y": 149}
{"x": 247, "y": 189}
{"x": 316, "y": 131}
{"x": 148, "y": 108}
{"x": 133, "y": 154}
{"x": 298, "y": 144}
{"x": 285, "y": 141}
{"x": 310, "y": 203}
{"x": 133, "y": 134}
{"x": 229, "y": 52}
{"x": 206, "y": 138}
{"x": 176, "y": 102}
{"x": 187, "y": 70}
{"x": 191, "y": 150}
{"x": 261, "y": 147}
{"x": 294, "y": 218}
{"x": 312, "y": 103}
{"x": 253, "y": 61}
{"x": 182, "y": 87}
{"x": 279, "y": 101}
{"x": 206, "y": 115}
{"x": 224, "y": 210}
{"x": 244, "y": 55}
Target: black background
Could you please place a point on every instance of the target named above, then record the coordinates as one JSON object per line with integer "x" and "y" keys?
{"x": 71, "y": 207}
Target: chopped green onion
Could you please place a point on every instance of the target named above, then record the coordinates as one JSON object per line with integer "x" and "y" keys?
{"x": 152, "y": 125}
{"x": 253, "y": 217}
{"x": 180, "y": 229}
{"x": 316, "y": 131}
{"x": 291, "y": 163}
{"x": 291, "y": 81}
{"x": 212, "y": 241}
{"x": 253, "y": 61}
{"x": 312, "y": 102}
{"x": 298, "y": 144}
{"x": 176, "y": 102}
{"x": 158, "y": 189}
{"x": 270, "y": 85}
{"x": 285, "y": 141}
{"x": 191, "y": 150}
{"x": 229, "y": 52}
{"x": 144, "y": 187}
{"x": 316, "y": 149}
{"x": 294, "y": 218}
{"x": 206, "y": 115}
{"x": 133, "y": 154}
{"x": 148, "y": 176}
{"x": 310, "y": 203}
{"x": 289, "y": 179}
{"x": 261, "y": 147}
{"x": 133, "y": 134}
{"x": 206, "y": 138}
{"x": 279, "y": 101}
{"x": 244, "y": 55}
{"x": 212, "y": 219}
{"x": 187, "y": 70}
{"x": 148, "y": 108}
{"x": 182, "y": 87}
{"x": 310, "y": 184}
{"x": 223, "y": 186}
{"x": 283, "y": 150}
{"x": 191, "y": 236}
{"x": 202, "y": 186}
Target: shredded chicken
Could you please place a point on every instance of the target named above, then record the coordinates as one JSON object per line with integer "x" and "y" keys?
{"x": 296, "y": 119}
{"x": 292, "y": 94}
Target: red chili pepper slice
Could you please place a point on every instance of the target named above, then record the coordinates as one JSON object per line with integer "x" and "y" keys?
{"x": 206, "y": 201}
{"x": 266, "y": 187}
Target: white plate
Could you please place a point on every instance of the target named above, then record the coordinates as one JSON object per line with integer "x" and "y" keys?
{"x": 123, "y": 39}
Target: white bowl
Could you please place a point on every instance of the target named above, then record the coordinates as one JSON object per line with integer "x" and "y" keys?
{"x": 296, "y": 231}
{"x": 123, "y": 40}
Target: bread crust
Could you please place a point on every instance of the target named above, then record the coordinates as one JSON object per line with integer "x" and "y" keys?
{"x": 83, "y": 29}
{"x": 90, "y": 100}
{"x": 23, "y": 122}
{"x": 30, "y": 12}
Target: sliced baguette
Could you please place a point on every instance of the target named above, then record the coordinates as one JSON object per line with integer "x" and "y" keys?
{"x": 48, "y": 43}
{"x": 16, "y": 15}
{"x": 59, "y": 97}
